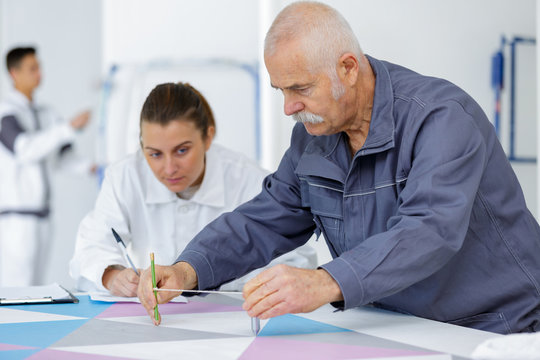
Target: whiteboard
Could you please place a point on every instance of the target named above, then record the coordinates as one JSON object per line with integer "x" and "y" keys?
{"x": 231, "y": 89}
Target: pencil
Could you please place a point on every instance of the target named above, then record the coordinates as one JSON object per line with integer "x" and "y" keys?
{"x": 124, "y": 250}
{"x": 156, "y": 312}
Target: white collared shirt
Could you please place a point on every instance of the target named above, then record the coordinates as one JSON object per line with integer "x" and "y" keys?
{"x": 151, "y": 218}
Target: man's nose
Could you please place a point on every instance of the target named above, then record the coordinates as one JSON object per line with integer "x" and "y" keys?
{"x": 292, "y": 105}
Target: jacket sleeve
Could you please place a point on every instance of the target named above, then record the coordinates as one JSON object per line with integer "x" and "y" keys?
{"x": 448, "y": 155}
{"x": 95, "y": 247}
{"x": 269, "y": 225}
{"x": 9, "y": 130}
{"x": 303, "y": 257}
{"x": 33, "y": 146}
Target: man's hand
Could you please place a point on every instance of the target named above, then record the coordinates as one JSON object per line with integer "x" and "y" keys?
{"x": 284, "y": 289}
{"x": 120, "y": 281}
{"x": 178, "y": 276}
{"x": 80, "y": 121}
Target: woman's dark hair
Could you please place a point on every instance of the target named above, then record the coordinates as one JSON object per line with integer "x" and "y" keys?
{"x": 181, "y": 101}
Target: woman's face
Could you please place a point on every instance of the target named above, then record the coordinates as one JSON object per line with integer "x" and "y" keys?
{"x": 175, "y": 152}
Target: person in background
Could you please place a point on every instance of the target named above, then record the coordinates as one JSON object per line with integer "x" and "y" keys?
{"x": 32, "y": 139}
{"x": 404, "y": 176}
{"x": 160, "y": 197}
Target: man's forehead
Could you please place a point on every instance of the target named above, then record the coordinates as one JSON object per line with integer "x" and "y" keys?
{"x": 291, "y": 78}
{"x": 29, "y": 59}
{"x": 289, "y": 74}
{"x": 292, "y": 86}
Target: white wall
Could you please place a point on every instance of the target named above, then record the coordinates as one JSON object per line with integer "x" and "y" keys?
{"x": 142, "y": 30}
{"x": 450, "y": 39}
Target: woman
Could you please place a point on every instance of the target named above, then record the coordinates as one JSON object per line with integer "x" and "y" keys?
{"x": 160, "y": 197}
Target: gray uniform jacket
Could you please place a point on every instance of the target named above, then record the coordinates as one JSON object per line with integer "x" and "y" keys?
{"x": 427, "y": 218}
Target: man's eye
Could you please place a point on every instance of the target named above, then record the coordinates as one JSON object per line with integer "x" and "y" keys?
{"x": 182, "y": 151}
{"x": 155, "y": 155}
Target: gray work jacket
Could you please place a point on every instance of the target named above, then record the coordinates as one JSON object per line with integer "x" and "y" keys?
{"x": 427, "y": 218}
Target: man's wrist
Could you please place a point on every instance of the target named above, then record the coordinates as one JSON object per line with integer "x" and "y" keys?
{"x": 188, "y": 274}
{"x": 331, "y": 287}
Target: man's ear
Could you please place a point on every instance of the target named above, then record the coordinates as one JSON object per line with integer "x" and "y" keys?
{"x": 13, "y": 74}
{"x": 348, "y": 68}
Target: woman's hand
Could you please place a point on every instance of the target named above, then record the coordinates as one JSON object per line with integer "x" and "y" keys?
{"x": 120, "y": 281}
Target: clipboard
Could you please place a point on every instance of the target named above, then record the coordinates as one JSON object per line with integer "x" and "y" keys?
{"x": 31, "y": 295}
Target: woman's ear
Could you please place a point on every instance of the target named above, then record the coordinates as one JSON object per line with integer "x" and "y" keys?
{"x": 210, "y": 133}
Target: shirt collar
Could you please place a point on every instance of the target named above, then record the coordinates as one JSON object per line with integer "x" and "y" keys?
{"x": 17, "y": 97}
{"x": 211, "y": 192}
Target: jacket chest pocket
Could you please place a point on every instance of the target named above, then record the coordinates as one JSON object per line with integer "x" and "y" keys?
{"x": 326, "y": 204}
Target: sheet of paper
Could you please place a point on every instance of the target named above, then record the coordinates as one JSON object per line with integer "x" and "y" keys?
{"x": 54, "y": 291}
{"x": 101, "y": 296}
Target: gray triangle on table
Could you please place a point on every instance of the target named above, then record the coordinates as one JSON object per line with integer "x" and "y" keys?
{"x": 353, "y": 338}
{"x": 221, "y": 299}
{"x": 104, "y": 332}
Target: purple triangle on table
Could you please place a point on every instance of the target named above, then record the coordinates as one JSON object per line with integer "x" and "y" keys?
{"x": 6, "y": 347}
{"x": 47, "y": 354}
{"x": 134, "y": 309}
{"x": 263, "y": 348}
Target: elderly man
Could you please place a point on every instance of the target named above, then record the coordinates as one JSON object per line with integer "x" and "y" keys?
{"x": 404, "y": 176}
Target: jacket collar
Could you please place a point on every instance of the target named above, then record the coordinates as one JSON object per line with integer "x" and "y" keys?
{"x": 382, "y": 126}
{"x": 17, "y": 98}
{"x": 320, "y": 157}
{"x": 211, "y": 192}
